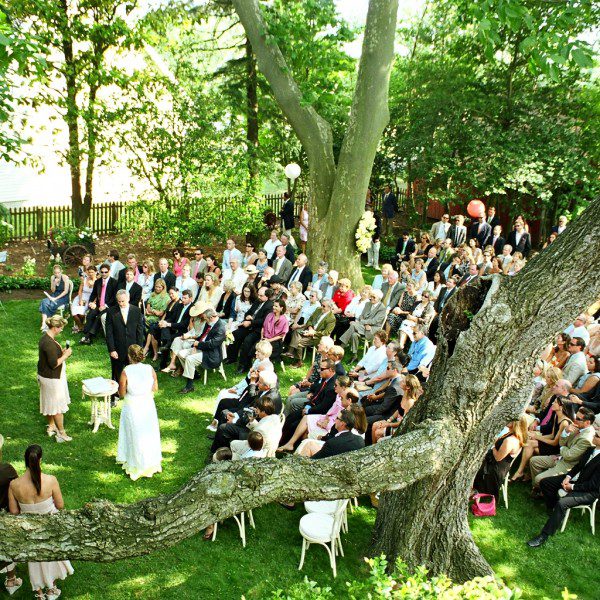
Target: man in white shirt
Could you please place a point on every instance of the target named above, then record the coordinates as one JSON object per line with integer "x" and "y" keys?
{"x": 576, "y": 365}
{"x": 230, "y": 252}
{"x": 116, "y": 266}
{"x": 506, "y": 255}
{"x": 236, "y": 274}
{"x": 271, "y": 244}
{"x": 281, "y": 265}
{"x": 578, "y": 329}
{"x": 562, "y": 225}
{"x": 439, "y": 230}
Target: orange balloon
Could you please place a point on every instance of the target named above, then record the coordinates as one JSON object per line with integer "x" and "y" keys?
{"x": 476, "y": 208}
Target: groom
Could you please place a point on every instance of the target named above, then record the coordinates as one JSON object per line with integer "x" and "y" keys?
{"x": 124, "y": 327}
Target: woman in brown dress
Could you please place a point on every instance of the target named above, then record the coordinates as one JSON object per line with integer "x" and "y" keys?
{"x": 52, "y": 379}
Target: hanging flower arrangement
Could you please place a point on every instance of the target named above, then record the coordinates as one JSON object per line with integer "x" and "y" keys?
{"x": 364, "y": 231}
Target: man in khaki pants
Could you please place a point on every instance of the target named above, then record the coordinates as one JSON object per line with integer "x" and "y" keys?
{"x": 572, "y": 448}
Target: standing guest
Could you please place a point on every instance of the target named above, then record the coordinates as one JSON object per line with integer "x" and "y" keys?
{"x": 165, "y": 274}
{"x": 576, "y": 365}
{"x": 492, "y": 218}
{"x": 133, "y": 265}
{"x": 439, "y": 230}
{"x": 157, "y": 303}
{"x": 138, "y": 448}
{"x": 154, "y": 332}
{"x": 519, "y": 239}
{"x": 230, "y": 252}
{"x": 212, "y": 266}
{"x": 124, "y": 328}
{"x": 458, "y": 232}
{"x": 389, "y": 207}
{"x": 58, "y": 296}
{"x": 211, "y": 291}
{"x": 497, "y": 241}
{"x": 116, "y": 266}
{"x": 37, "y": 493}
{"x": 185, "y": 281}
{"x": 7, "y": 473}
{"x": 146, "y": 279}
{"x": 271, "y": 245}
{"x": 562, "y": 225}
{"x": 375, "y": 244}
{"x": 250, "y": 256}
{"x": 497, "y": 461}
{"x": 131, "y": 287}
{"x": 80, "y": 306}
{"x": 303, "y": 218}
{"x": 262, "y": 262}
{"x": 179, "y": 261}
{"x": 52, "y": 379}
{"x": 405, "y": 247}
{"x": 481, "y": 231}
{"x": 287, "y": 214}
{"x": 103, "y": 296}
{"x": 198, "y": 263}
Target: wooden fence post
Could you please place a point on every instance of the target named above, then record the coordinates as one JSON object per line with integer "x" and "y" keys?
{"x": 39, "y": 213}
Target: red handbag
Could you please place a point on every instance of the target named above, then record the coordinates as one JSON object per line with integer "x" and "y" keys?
{"x": 483, "y": 509}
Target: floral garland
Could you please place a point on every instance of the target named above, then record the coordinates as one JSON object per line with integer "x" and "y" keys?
{"x": 364, "y": 231}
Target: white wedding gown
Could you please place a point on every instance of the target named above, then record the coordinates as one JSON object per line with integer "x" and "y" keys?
{"x": 139, "y": 436}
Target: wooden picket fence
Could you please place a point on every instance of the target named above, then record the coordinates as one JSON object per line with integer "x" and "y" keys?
{"x": 33, "y": 223}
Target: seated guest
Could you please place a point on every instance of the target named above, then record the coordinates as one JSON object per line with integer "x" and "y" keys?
{"x": 103, "y": 296}
{"x": 252, "y": 275}
{"x": 265, "y": 280}
{"x": 431, "y": 263}
{"x": 381, "y": 404}
{"x": 116, "y": 266}
{"x": 308, "y": 308}
{"x": 198, "y": 264}
{"x": 422, "y": 315}
{"x": 558, "y": 354}
{"x": 157, "y": 303}
{"x": 420, "y": 353}
{"x": 212, "y": 266}
{"x": 236, "y": 274}
{"x": 281, "y": 265}
{"x": 352, "y": 311}
{"x": 497, "y": 461}
{"x": 259, "y": 396}
{"x": 232, "y": 395}
{"x": 174, "y": 324}
{"x": 289, "y": 249}
{"x": 211, "y": 290}
{"x": 381, "y": 376}
{"x": 250, "y": 256}
{"x": 165, "y": 274}
{"x": 436, "y": 285}
{"x": 587, "y": 382}
{"x": 576, "y": 365}
{"x": 308, "y": 335}
{"x": 571, "y": 448}
{"x": 227, "y": 301}
{"x": 405, "y": 247}
{"x": 295, "y": 301}
{"x": 407, "y": 303}
{"x": 581, "y": 485}
{"x": 332, "y": 284}
{"x": 371, "y": 320}
{"x": 319, "y": 279}
{"x": 271, "y": 244}
{"x": 186, "y": 340}
{"x": 336, "y": 354}
{"x": 146, "y": 279}
{"x": 207, "y": 350}
{"x": 342, "y": 297}
{"x": 230, "y": 253}
{"x": 471, "y": 277}
{"x": 344, "y": 440}
{"x": 301, "y": 273}
{"x": 279, "y": 291}
{"x": 132, "y": 263}
{"x": 253, "y": 447}
{"x": 274, "y": 330}
{"x": 446, "y": 254}
{"x": 546, "y": 444}
{"x": 241, "y": 306}
{"x": 578, "y": 329}
{"x": 58, "y": 296}
{"x": 317, "y": 425}
{"x": 80, "y": 306}
{"x": 419, "y": 276}
{"x": 261, "y": 263}
{"x": 411, "y": 390}
{"x": 373, "y": 359}
{"x": 131, "y": 287}
{"x": 185, "y": 281}
{"x": 391, "y": 291}
{"x": 170, "y": 314}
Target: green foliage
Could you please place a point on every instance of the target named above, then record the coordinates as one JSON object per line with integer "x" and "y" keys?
{"x": 19, "y": 282}
{"x": 70, "y": 234}
{"x": 402, "y": 583}
{"x": 6, "y": 228}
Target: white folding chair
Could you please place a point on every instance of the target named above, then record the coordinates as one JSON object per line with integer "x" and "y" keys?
{"x": 327, "y": 507}
{"x": 241, "y": 523}
{"x": 591, "y": 508}
{"x": 504, "y": 486}
{"x": 323, "y": 529}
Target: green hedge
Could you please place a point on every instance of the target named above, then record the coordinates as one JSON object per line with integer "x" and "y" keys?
{"x": 18, "y": 282}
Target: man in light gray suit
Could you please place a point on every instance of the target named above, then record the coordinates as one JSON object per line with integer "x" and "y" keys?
{"x": 281, "y": 265}
{"x": 391, "y": 291}
{"x": 576, "y": 365}
{"x": 370, "y": 321}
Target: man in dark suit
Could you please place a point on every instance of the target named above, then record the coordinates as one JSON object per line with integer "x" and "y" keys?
{"x": 497, "y": 241}
{"x": 132, "y": 263}
{"x": 581, "y": 485}
{"x": 207, "y": 349}
{"x": 301, "y": 272}
{"x": 281, "y": 264}
{"x": 469, "y": 277}
{"x": 124, "y": 327}
{"x": 457, "y": 232}
{"x": 481, "y": 231}
{"x": 342, "y": 441}
{"x": 445, "y": 294}
{"x": 389, "y": 208}
{"x": 287, "y": 214}
{"x": 405, "y": 246}
{"x": 164, "y": 273}
{"x": 432, "y": 263}
{"x": 174, "y": 325}
{"x": 102, "y": 298}
{"x": 562, "y": 225}
{"x": 492, "y": 219}
{"x": 320, "y": 394}
{"x": 129, "y": 285}
{"x": 290, "y": 254}
{"x": 520, "y": 240}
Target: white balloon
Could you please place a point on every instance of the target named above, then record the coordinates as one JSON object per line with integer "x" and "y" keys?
{"x": 292, "y": 171}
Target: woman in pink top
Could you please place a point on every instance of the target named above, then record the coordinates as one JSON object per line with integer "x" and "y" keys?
{"x": 275, "y": 329}
{"x": 316, "y": 426}
{"x": 179, "y": 261}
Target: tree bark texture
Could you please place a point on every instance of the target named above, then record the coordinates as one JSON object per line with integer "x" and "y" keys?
{"x": 337, "y": 192}
{"x": 480, "y": 382}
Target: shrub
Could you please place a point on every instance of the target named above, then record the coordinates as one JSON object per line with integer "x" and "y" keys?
{"x": 19, "y": 282}
{"x": 402, "y": 584}
{"x": 387, "y": 254}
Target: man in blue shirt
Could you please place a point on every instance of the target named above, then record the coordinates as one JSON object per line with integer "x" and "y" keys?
{"x": 421, "y": 353}
{"x": 231, "y": 252}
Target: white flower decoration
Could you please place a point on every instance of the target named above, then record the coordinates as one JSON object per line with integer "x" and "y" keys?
{"x": 364, "y": 231}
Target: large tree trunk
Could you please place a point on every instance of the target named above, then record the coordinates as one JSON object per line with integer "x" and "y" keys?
{"x": 251, "y": 110}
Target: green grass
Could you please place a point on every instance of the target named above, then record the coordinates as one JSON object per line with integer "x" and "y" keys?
{"x": 86, "y": 469}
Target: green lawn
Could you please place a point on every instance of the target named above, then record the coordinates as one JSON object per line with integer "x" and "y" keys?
{"x": 86, "y": 469}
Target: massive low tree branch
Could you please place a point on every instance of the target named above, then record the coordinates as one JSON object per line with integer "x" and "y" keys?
{"x": 102, "y": 531}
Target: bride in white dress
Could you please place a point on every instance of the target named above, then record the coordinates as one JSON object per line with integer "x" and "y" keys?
{"x": 139, "y": 436}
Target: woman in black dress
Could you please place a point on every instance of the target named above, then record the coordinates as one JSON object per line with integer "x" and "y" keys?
{"x": 497, "y": 461}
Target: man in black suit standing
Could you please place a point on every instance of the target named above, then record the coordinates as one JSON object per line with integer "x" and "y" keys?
{"x": 497, "y": 241}
{"x": 457, "y": 232}
{"x": 124, "y": 327}
{"x": 520, "y": 240}
{"x": 165, "y": 273}
{"x": 492, "y": 219}
{"x": 481, "y": 231}
{"x": 102, "y": 298}
{"x": 287, "y": 214}
{"x": 389, "y": 208}
{"x": 342, "y": 441}
{"x": 581, "y": 485}
{"x": 301, "y": 272}
{"x": 131, "y": 287}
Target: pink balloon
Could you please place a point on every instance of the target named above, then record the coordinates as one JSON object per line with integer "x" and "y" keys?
{"x": 476, "y": 208}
